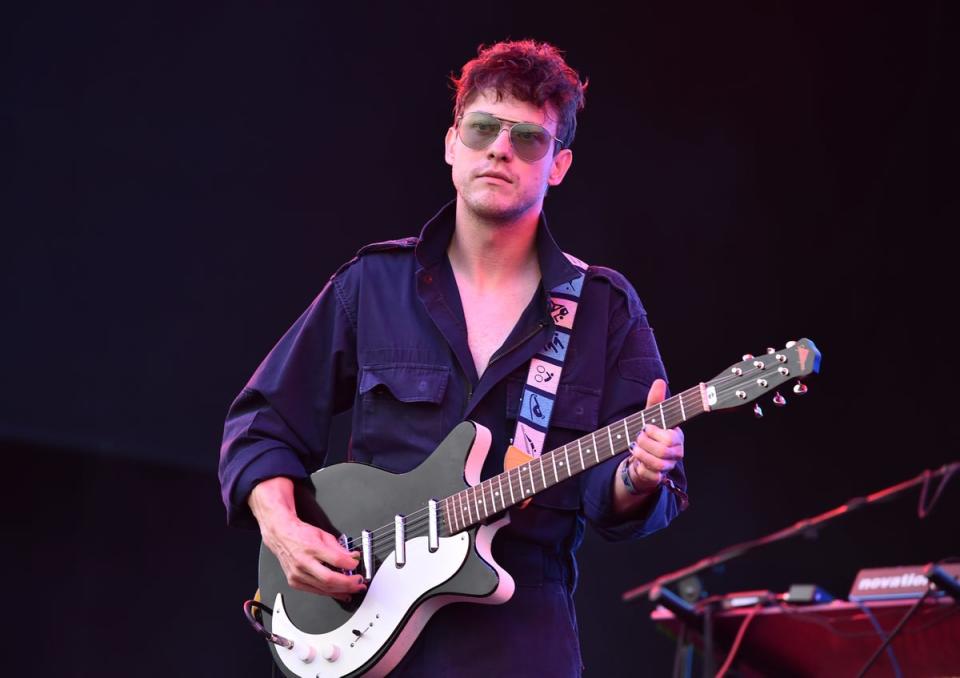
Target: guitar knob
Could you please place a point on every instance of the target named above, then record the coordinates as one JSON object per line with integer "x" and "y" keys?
{"x": 779, "y": 400}
{"x": 305, "y": 652}
{"x": 757, "y": 411}
{"x": 747, "y": 356}
{"x": 799, "y": 388}
{"x": 330, "y": 652}
{"x": 771, "y": 351}
{"x": 791, "y": 344}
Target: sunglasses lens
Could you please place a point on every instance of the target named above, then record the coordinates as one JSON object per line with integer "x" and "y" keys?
{"x": 531, "y": 142}
{"x": 478, "y": 130}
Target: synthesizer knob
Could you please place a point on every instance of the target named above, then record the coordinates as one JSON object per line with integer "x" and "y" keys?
{"x": 330, "y": 652}
{"x": 799, "y": 388}
{"x": 779, "y": 400}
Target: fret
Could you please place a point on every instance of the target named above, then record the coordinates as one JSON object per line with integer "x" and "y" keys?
{"x": 566, "y": 456}
{"x": 468, "y": 501}
{"x": 503, "y": 501}
{"x": 596, "y": 448}
{"x": 542, "y": 474}
{"x": 626, "y": 432}
{"x": 513, "y": 499}
{"x": 610, "y": 438}
{"x": 483, "y": 500}
{"x": 580, "y": 448}
{"x": 682, "y": 413}
{"x": 446, "y": 510}
{"x": 663, "y": 419}
{"x": 533, "y": 487}
{"x": 553, "y": 458}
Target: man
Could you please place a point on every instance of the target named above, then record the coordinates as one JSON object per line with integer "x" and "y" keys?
{"x": 419, "y": 334}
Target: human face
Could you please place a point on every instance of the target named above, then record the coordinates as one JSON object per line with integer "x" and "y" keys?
{"x": 493, "y": 183}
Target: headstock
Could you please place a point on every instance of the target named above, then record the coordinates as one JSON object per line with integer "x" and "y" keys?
{"x": 753, "y": 377}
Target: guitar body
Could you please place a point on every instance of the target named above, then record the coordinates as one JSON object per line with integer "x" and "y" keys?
{"x": 372, "y": 633}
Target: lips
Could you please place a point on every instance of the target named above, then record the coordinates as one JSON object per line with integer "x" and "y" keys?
{"x": 496, "y": 175}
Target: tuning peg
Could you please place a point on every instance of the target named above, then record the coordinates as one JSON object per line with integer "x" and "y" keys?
{"x": 799, "y": 388}
{"x": 747, "y": 356}
{"x": 757, "y": 411}
{"x": 779, "y": 400}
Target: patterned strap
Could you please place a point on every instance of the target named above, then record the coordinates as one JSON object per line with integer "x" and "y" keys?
{"x": 540, "y": 391}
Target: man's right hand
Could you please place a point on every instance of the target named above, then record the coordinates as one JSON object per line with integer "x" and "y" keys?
{"x": 306, "y": 553}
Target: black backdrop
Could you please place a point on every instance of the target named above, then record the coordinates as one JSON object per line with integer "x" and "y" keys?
{"x": 184, "y": 179}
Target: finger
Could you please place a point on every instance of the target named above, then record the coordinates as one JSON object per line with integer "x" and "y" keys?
{"x": 325, "y": 581}
{"x": 669, "y": 437}
{"x": 652, "y": 462}
{"x": 657, "y": 392}
{"x": 643, "y": 477}
{"x": 331, "y": 552}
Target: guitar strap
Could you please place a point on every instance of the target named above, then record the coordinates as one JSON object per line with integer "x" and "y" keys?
{"x": 540, "y": 391}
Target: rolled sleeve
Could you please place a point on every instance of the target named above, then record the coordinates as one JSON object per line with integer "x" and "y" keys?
{"x": 633, "y": 364}
{"x": 280, "y": 423}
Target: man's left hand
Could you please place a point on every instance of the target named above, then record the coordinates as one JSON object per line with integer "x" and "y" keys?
{"x": 657, "y": 450}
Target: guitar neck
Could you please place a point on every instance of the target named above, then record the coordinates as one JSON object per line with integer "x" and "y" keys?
{"x": 475, "y": 504}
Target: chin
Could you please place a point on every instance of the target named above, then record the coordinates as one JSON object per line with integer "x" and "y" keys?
{"x": 497, "y": 210}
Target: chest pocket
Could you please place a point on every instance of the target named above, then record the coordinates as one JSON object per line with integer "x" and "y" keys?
{"x": 401, "y": 414}
{"x": 575, "y": 413}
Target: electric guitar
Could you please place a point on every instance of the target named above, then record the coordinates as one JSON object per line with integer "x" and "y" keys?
{"x": 424, "y": 535}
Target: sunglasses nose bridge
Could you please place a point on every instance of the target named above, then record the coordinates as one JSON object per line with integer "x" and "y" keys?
{"x": 495, "y": 141}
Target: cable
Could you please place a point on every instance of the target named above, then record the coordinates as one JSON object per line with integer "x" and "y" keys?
{"x": 924, "y": 511}
{"x": 876, "y": 624}
{"x": 258, "y": 627}
{"x": 896, "y": 629}
{"x": 736, "y": 641}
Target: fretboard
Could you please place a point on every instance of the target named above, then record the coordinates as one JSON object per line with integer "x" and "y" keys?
{"x": 489, "y": 497}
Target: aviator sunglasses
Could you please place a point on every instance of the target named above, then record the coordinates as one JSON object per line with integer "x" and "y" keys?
{"x": 530, "y": 141}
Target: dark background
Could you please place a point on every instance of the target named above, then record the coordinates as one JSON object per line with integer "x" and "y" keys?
{"x": 180, "y": 181}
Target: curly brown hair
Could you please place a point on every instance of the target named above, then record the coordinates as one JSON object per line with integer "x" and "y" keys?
{"x": 529, "y": 71}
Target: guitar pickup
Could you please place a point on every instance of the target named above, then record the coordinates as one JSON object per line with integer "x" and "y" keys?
{"x": 433, "y": 541}
{"x": 366, "y": 541}
{"x": 400, "y": 540}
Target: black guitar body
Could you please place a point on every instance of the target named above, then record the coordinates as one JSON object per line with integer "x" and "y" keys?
{"x": 352, "y": 497}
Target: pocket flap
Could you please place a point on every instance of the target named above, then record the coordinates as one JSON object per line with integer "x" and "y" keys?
{"x": 408, "y": 383}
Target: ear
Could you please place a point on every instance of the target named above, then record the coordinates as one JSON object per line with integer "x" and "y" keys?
{"x": 449, "y": 144}
{"x": 558, "y": 168}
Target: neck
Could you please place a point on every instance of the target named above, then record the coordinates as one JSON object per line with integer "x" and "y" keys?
{"x": 487, "y": 253}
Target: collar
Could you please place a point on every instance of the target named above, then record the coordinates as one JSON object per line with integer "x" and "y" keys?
{"x": 431, "y": 249}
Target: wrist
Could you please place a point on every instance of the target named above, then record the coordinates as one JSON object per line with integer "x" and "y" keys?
{"x": 632, "y": 487}
{"x": 272, "y": 500}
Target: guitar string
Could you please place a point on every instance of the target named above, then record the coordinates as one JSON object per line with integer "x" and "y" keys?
{"x": 416, "y": 519}
{"x": 419, "y": 519}
{"x": 416, "y": 528}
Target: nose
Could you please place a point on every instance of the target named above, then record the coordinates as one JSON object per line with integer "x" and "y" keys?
{"x": 501, "y": 147}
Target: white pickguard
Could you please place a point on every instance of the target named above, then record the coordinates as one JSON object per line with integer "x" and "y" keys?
{"x": 390, "y": 595}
